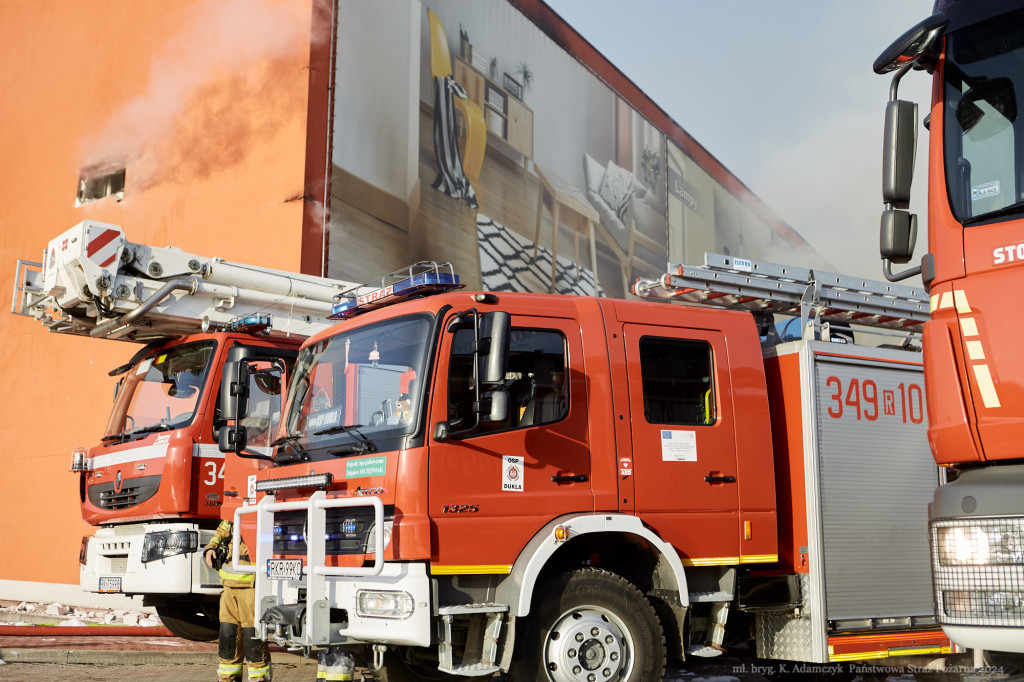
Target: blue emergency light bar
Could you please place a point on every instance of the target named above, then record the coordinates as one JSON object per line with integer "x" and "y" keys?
{"x": 250, "y": 324}
{"x": 419, "y": 279}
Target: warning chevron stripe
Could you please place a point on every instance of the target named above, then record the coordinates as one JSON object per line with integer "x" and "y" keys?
{"x": 96, "y": 251}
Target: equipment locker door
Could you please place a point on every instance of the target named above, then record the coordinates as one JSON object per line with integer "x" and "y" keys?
{"x": 493, "y": 487}
{"x": 684, "y": 447}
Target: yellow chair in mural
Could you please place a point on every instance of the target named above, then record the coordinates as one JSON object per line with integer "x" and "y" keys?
{"x": 473, "y": 141}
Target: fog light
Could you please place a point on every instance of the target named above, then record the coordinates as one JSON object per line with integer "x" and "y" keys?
{"x": 168, "y": 543}
{"x": 79, "y": 460}
{"x": 380, "y": 604}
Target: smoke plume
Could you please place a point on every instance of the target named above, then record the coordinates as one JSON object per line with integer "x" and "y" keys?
{"x": 196, "y": 112}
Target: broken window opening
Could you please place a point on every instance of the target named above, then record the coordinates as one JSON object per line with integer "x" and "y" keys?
{"x": 93, "y": 185}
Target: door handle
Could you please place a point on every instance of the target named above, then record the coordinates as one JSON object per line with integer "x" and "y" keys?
{"x": 571, "y": 478}
{"x": 720, "y": 479}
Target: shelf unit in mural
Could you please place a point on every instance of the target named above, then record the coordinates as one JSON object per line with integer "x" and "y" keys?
{"x": 507, "y": 118}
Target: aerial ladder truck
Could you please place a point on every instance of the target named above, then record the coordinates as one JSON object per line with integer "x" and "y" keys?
{"x": 974, "y": 53}
{"x": 157, "y": 483}
{"x": 567, "y": 488}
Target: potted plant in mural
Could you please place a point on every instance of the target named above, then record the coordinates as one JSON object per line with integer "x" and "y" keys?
{"x": 525, "y": 75}
{"x": 465, "y": 48}
{"x": 651, "y": 163}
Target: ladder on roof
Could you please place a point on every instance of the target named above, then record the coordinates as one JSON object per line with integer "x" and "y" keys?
{"x": 817, "y": 297}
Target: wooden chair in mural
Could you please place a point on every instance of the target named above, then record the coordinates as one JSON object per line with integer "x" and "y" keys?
{"x": 473, "y": 140}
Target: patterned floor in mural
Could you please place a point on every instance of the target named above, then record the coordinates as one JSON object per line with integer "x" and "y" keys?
{"x": 507, "y": 264}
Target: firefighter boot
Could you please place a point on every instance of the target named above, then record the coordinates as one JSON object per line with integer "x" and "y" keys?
{"x": 257, "y": 656}
{"x": 229, "y": 651}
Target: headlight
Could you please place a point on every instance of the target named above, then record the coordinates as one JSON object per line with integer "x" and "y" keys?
{"x": 167, "y": 543}
{"x": 83, "y": 553}
{"x": 371, "y": 537}
{"x": 381, "y": 604}
{"x": 997, "y": 544}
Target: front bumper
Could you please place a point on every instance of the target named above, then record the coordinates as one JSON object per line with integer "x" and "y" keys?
{"x": 113, "y": 563}
{"x": 322, "y": 608}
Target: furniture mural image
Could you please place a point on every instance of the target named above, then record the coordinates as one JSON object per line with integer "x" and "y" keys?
{"x": 632, "y": 218}
{"x": 507, "y": 118}
{"x": 569, "y": 207}
{"x": 456, "y": 169}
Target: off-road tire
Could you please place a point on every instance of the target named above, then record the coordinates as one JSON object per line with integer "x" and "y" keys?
{"x": 188, "y": 619}
{"x": 589, "y": 621}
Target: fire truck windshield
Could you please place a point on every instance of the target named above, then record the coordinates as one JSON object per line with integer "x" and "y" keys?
{"x": 984, "y": 135}
{"x": 162, "y": 391}
{"x": 351, "y": 391}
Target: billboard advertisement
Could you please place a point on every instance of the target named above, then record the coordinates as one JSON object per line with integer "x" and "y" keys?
{"x": 462, "y": 132}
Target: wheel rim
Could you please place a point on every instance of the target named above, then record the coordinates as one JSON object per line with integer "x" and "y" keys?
{"x": 588, "y": 644}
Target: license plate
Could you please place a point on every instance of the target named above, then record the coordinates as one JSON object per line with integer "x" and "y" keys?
{"x": 284, "y": 569}
{"x": 110, "y": 584}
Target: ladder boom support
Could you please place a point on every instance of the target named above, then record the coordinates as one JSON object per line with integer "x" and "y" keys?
{"x": 94, "y": 282}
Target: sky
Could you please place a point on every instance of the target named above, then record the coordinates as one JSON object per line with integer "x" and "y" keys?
{"x": 783, "y": 94}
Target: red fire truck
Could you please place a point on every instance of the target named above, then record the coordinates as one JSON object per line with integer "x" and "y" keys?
{"x": 156, "y": 483}
{"x": 572, "y": 488}
{"x": 973, "y": 52}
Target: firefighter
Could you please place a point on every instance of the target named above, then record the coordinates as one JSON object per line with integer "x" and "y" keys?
{"x": 237, "y": 607}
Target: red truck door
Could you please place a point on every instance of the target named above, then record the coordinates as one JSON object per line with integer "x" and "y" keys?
{"x": 493, "y": 487}
{"x": 684, "y": 447}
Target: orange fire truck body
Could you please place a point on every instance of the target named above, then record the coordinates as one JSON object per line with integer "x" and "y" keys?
{"x": 975, "y": 206}
{"x": 168, "y": 473}
{"x": 156, "y": 483}
{"x": 554, "y": 439}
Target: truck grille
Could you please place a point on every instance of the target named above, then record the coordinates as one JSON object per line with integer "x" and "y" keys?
{"x": 348, "y": 530}
{"x": 133, "y": 491}
{"x": 978, "y": 571}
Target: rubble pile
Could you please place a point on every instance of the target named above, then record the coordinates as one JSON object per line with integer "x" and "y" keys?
{"x": 29, "y": 613}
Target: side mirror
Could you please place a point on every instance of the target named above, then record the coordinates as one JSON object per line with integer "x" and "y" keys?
{"x": 495, "y": 333}
{"x": 268, "y": 381}
{"x": 232, "y": 438}
{"x": 234, "y": 390}
{"x": 897, "y": 235}
{"x": 493, "y": 406}
{"x": 898, "y": 150}
{"x": 909, "y": 47}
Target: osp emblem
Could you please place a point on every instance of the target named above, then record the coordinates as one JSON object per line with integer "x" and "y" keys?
{"x": 117, "y": 482}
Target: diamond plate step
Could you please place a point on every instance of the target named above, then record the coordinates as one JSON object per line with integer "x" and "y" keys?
{"x": 470, "y": 669}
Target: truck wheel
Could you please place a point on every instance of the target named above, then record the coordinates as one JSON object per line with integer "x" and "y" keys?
{"x": 401, "y": 668}
{"x": 590, "y": 624}
{"x": 189, "y": 620}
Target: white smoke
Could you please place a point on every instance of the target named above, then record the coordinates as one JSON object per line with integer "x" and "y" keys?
{"x": 225, "y": 39}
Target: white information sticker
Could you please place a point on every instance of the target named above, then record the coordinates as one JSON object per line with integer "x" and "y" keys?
{"x": 512, "y": 474}
{"x": 985, "y": 191}
{"x": 251, "y": 492}
{"x": 678, "y": 446}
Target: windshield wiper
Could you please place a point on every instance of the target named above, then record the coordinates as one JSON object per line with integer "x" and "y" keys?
{"x": 295, "y": 452}
{"x": 150, "y": 429}
{"x": 998, "y": 213}
{"x": 362, "y": 447}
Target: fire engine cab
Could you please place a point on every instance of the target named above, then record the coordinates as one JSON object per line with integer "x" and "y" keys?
{"x": 577, "y": 488}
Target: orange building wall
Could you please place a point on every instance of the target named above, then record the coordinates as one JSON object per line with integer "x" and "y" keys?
{"x": 213, "y": 135}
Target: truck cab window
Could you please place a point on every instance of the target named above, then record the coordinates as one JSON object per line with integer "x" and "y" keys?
{"x": 162, "y": 391}
{"x": 984, "y": 152}
{"x": 535, "y": 379}
{"x": 677, "y": 380}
